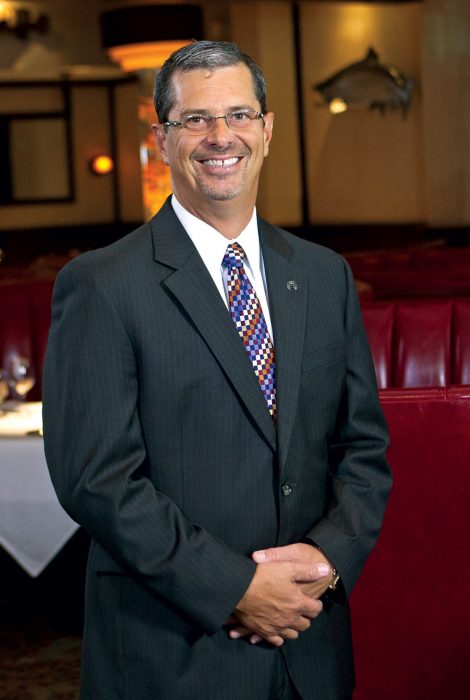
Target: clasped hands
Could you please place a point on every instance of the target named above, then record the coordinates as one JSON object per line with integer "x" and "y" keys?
{"x": 283, "y": 596}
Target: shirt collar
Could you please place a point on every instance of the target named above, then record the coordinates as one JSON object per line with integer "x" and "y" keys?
{"x": 211, "y": 244}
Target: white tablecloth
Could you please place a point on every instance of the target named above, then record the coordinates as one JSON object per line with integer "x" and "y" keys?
{"x": 33, "y": 525}
{"x": 20, "y": 418}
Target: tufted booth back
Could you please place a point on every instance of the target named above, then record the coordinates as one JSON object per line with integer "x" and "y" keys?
{"x": 412, "y": 273}
{"x": 440, "y": 259}
{"x": 421, "y": 343}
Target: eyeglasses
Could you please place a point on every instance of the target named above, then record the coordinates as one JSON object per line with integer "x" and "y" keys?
{"x": 204, "y": 123}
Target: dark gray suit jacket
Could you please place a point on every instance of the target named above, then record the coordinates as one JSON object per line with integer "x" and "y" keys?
{"x": 160, "y": 444}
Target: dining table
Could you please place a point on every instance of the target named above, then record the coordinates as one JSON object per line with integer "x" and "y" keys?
{"x": 33, "y": 525}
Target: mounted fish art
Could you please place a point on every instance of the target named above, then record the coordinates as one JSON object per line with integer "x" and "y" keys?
{"x": 367, "y": 83}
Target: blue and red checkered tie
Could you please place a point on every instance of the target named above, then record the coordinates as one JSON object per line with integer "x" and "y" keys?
{"x": 249, "y": 319}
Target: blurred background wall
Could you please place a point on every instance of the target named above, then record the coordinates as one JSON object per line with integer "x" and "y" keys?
{"x": 347, "y": 172}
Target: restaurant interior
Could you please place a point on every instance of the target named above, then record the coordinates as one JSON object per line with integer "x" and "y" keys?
{"x": 370, "y": 157}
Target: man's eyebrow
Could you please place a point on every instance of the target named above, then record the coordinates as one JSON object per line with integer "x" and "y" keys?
{"x": 186, "y": 112}
{"x": 206, "y": 112}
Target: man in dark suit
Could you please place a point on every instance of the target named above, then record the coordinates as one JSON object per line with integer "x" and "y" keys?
{"x": 232, "y": 496}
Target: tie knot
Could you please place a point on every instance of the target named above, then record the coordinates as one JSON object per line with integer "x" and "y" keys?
{"x": 234, "y": 256}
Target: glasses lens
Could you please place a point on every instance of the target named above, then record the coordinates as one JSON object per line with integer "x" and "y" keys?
{"x": 197, "y": 122}
{"x": 240, "y": 120}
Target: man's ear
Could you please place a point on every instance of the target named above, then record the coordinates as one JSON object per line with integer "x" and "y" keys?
{"x": 268, "y": 131}
{"x": 160, "y": 135}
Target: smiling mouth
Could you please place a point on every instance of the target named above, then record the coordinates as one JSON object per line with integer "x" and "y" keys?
{"x": 220, "y": 162}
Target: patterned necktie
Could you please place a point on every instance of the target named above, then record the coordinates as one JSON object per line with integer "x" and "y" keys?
{"x": 248, "y": 317}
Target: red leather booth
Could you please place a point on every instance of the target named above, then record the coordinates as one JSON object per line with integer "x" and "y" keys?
{"x": 411, "y": 615}
{"x": 414, "y": 343}
{"x": 25, "y": 311}
{"x": 410, "y": 608}
{"x": 419, "y": 343}
{"x": 414, "y": 272}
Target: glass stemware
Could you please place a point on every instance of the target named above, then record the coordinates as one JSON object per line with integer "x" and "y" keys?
{"x": 20, "y": 376}
{"x": 4, "y": 388}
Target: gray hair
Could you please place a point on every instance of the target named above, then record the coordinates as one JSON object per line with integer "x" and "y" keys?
{"x": 203, "y": 54}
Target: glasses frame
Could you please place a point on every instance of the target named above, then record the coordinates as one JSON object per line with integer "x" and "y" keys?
{"x": 210, "y": 120}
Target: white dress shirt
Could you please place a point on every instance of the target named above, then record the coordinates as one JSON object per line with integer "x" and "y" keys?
{"x": 211, "y": 246}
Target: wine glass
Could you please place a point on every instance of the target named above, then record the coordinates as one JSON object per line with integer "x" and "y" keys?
{"x": 21, "y": 377}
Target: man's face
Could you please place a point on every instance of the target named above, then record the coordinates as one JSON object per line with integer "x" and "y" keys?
{"x": 223, "y": 164}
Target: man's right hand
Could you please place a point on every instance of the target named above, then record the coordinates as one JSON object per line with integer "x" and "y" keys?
{"x": 274, "y": 606}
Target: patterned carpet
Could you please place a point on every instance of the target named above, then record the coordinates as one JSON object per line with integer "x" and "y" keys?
{"x": 41, "y": 622}
{"x": 37, "y": 662}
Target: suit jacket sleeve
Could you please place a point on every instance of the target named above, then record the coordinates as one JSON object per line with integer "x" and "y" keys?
{"x": 360, "y": 478}
{"x": 96, "y": 456}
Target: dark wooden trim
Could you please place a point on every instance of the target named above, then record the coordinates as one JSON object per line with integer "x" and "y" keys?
{"x": 5, "y": 169}
{"x": 300, "y": 114}
{"x": 69, "y": 139}
{"x": 32, "y": 116}
{"x": 13, "y": 84}
{"x": 65, "y": 114}
{"x": 350, "y": 238}
{"x": 65, "y": 118}
{"x": 113, "y": 147}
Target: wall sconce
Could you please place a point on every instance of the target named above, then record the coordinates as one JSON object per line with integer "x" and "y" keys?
{"x": 366, "y": 83}
{"x": 338, "y": 105}
{"x": 18, "y": 21}
{"x": 101, "y": 165}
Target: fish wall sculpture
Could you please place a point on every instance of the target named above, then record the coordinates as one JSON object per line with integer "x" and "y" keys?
{"x": 367, "y": 83}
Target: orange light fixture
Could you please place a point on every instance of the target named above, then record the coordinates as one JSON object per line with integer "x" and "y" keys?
{"x": 102, "y": 165}
{"x": 7, "y": 13}
{"x": 140, "y": 38}
{"x": 135, "y": 57}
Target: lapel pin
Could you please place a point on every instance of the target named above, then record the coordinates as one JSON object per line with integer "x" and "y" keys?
{"x": 292, "y": 285}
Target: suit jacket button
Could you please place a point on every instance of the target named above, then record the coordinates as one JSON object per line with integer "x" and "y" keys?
{"x": 286, "y": 489}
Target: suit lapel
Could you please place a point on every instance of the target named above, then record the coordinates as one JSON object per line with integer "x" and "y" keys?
{"x": 193, "y": 288}
{"x": 287, "y": 290}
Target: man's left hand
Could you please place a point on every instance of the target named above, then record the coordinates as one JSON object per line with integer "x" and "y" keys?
{"x": 300, "y": 553}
